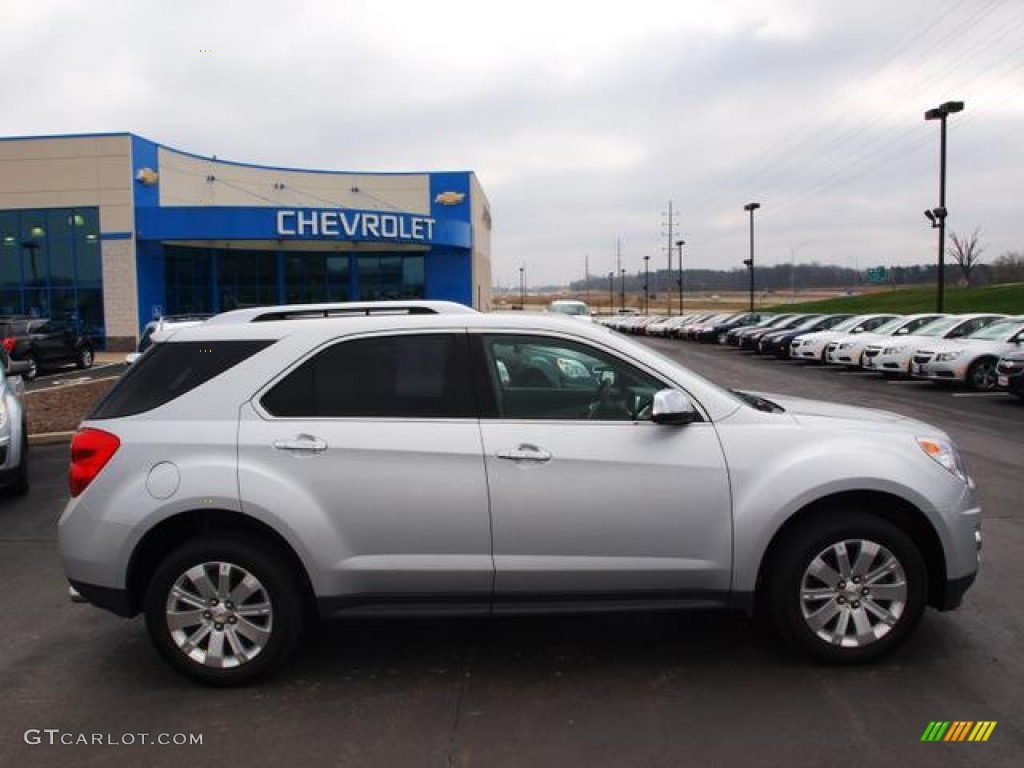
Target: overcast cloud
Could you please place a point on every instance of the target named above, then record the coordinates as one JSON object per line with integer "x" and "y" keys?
{"x": 581, "y": 119}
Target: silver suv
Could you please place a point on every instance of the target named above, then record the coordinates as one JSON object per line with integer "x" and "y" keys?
{"x": 243, "y": 475}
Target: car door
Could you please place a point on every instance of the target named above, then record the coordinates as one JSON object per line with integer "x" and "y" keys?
{"x": 371, "y": 450}
{"x": 46, "y": 340}
{"x": 590, "y": 500}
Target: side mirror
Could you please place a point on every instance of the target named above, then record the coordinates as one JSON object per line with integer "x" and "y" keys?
{"x": 18, "y": 368}
{"x": 673, "y": 407}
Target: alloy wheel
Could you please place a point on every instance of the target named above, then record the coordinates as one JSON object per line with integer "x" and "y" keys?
{"x": 219, "y": 615}
{"x": 853, "y": 593}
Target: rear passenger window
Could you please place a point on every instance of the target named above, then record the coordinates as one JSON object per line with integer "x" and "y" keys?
{"x": 409, "y": 376}
{"x": 170, "y": 370}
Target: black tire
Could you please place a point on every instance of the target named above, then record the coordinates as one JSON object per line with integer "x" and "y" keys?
{"x": 20, "y": 485}
{"x": 33, "y": 369}
{"x": 838, "y": 640}
{"x": 982, "y": 375}
{"x": 278, "y": 587}
{"x": 85, "y": 357}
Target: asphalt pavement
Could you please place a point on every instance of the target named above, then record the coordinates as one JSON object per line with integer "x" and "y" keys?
{"x": 625, "y": 690}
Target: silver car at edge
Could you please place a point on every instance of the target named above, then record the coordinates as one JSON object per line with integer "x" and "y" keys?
{"x": 241, "y": 476}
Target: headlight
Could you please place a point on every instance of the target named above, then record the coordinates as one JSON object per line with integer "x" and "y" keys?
{"x": 847, "y": 345}
{"x": 945, "y": 357}
{"x": 3, "y": 411}
{"x": 893, "y": 350}
{"x": 946, "y": 454}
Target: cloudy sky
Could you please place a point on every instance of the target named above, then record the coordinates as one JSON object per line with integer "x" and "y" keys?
{"x": 582, "y": 119}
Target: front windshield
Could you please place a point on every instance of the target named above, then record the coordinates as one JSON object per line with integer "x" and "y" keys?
{"x": 1000, "y": 331}
{"x": 890, "y": 327}
{"x": 939, "y": 327}
{"x": 570, "y": 309}
{"x": 806, "y": 323}
{"x": 850, "y": 322}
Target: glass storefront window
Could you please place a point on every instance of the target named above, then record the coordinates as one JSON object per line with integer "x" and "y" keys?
{"x": 247, "y": 278}
{"x": 51, "y": 266}
{"x": 90, "y": 262}
{"x": 34, "y": 268}
{"x": 62, "y": 263}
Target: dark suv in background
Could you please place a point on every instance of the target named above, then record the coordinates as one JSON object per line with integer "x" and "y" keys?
{"x": 44, "y": 342}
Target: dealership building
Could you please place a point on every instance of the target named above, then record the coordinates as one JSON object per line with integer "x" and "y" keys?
{"x": 114, "y": 230}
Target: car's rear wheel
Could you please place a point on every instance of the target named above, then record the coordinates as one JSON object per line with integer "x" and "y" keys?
{"x": 847, "y": 588}
{"x": 224, "y": 611}
{"x": 33, "y": 366}
{"x": 85, "y": 358}
{"x": 982, "y": 375}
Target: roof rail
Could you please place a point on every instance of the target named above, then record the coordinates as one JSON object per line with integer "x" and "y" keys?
{"x": 338, "y": 309}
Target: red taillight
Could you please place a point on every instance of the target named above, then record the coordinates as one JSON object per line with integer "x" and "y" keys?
{"x": 9, "y": 344}
{"x": 91, "y": 449}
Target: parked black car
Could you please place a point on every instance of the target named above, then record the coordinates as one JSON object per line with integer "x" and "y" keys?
{"x": 777, "y": 343}
{"x": 736, "y": 335}
{"x": 1011, "y": 373}
{"x": 44, "y": 342}
{"x": 712, "y": 334}
{"x": 751, "y": 339}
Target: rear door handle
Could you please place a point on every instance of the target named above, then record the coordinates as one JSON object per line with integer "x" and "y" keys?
{"x": 525, "y": 452}
{"x": 302, "y": 444}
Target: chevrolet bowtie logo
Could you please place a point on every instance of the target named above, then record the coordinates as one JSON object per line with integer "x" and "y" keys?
{"x": 449, "y": 198}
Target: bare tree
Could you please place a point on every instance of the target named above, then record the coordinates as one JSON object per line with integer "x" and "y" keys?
{"x": 966, "y": 252}
{"x": 1009, "y": 267}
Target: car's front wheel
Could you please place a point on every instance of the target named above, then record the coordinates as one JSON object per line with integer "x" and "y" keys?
{"x": 847, "y": 588}
{"x": 224, "y": 611}
{"x": 982, "y": 375}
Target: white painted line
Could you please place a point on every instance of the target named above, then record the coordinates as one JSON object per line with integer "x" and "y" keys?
{"x": 981, "y": 394}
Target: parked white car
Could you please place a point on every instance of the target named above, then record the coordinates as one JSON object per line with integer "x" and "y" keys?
{"x": 166, "y": 323}
{"x": 811, "y": 346}
{"x": 894, "y": 357}
{"x": 849, "y": 350}
{"x": 971, "y": 360}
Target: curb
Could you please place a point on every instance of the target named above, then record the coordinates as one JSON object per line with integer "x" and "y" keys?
{"x": 50, "y": 438}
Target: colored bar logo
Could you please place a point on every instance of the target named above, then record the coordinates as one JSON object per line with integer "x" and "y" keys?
{"x": 958, "y": 730}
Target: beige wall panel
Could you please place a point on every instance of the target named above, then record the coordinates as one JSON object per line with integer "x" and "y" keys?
{"x": 117, "y": 218}
{"x": 48, "y": 199}
{"x": 115, "y": 173}
{"x": 84, "y": 146}
{"x": 480, "y": 216}
{"x": 183, "y": 182}
{"x": 51, "y": 174}
{"x": 120, "y": 291}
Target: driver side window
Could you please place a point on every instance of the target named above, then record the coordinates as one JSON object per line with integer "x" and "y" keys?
{"x": 537, "y": 377}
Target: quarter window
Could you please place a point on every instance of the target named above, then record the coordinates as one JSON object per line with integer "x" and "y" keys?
{"x": 412, "y": 376}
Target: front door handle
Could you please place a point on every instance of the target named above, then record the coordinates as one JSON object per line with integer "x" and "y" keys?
{"x": 525, "y": 452}
{"x": 302, "y": 444}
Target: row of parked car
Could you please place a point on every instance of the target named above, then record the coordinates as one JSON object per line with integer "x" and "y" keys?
{"x": 983, "y": 351}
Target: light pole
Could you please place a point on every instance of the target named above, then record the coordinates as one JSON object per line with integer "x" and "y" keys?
{"x": 937, "y": 216}
{"x": 522, "y": 287}
{"x": 751, "y": 207}
{"x": 679, "y": 245}
{"x": 611, "y": 293}
{"x": 647, "y": 277}
{"x": 622, "y": 288}
{"x": 792, "y": 264}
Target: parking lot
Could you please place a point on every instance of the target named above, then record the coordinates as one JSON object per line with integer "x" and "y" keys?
{"x": 628, "y": 690}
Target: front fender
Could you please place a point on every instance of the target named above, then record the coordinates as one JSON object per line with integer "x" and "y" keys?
{"x": 804, "y": 466}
